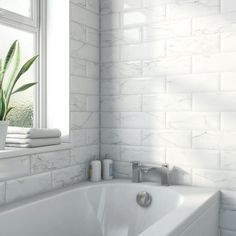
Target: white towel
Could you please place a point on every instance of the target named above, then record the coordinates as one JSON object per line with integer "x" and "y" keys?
{"x": 31, "y": 133}
{"x": 14, "y": 142}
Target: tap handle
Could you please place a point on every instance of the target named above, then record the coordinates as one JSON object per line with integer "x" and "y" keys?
{"x": 136, "y": 163}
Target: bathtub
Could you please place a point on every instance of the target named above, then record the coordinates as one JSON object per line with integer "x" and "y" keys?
{"x": 110, "y": 209}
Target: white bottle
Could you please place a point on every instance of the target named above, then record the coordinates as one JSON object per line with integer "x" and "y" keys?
{"x": 95, "y": 171}
{"x": 107, "y": 167}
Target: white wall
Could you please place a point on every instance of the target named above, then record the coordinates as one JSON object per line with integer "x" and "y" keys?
{"x": 168, "y": 90}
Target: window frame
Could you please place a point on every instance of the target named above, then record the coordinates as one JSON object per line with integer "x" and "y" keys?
{"x": 37, "y": 25}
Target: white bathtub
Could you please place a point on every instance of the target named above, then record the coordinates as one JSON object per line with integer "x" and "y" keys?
{"x": 110, "y": 209}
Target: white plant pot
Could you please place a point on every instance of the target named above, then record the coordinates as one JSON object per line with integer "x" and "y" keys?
{"x": 3, "y": 133}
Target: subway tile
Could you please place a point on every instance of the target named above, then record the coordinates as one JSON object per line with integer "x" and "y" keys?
{"x": 93, "y": 103}
{"x": 228, "y": 6}
{"x": 193, "y": 120}
{"x": 180, "y": 175}
{"x": 151, "y": 3}
{"x": 27, "y": 186}
{"x": 228, "y": 233}
{"x": 228, "y": 199}
{"x": 84, "y": 154}
{"x": 110, "y": 87}
{"x": 142, "y": 120}
{"x": 78, "y": 67}
{"x": 228, "y": 160}
{"x": 144, "y": 16}
{"x": 68, "y": 176}
{"x": 93, "y": 5}
{"x": 2, "y": 193}
{"x": 167, "y": 102}
{"x": 143, "y": 154}
{"x": 77, "y": 31}
{"x": 193, "y": 158}
{"x": 84, "y": 86}
{"x": 14, "y": 167}
{"x": 121, "y": 136}
{"x": 143, "y": 85}
{"x": 167, "y": 66}
{"x": 110, "y": 21}
{"x": 228, "y": 41}
{"x": 228, "y": 81}
{"x": 143, "y": 51}
{"x": 93, "y": 70}
{"x": 84, "y": 51}
{"x": 93, "y": 36}
{"x": 228, "y": 121}
{"x": 77, "y": 102}
{"x": 93, "y": 136}
{"x": 110, "y": 119}
{"x": 192, "y": 9}
{"x": 214, "y": 102}
{"x": 121, "y": 103}
{"x": 181, "y": 46}
{"x": 113, "y": 151}
{"x": 84, "y": 17}
{"x": 79, "y": 2}
{"x": 214, "y": 178}
{"x": 110, "y": 54}
{"x": 222, "y": 62}
{"x": 121, "y": 69}
{"x": 193, "y": 83}
{"x": 227, "y": 219}
{"x": 48, "y": 161}
{"x": 118, "y": 37}
{"x": 81, "y": 120}
{"x": 166, "y": 138}
{"x": 122, "y": 169}
{"x": 78, "y": 137}
{"x": 167, "y": 29}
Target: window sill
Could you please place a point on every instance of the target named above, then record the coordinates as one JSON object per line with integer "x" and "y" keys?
{"x": 15, "y": 152}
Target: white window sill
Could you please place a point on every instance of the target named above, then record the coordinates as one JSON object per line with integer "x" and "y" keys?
{"x": 15, "y": 152}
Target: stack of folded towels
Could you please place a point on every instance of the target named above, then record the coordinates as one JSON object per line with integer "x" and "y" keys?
{"x": 32, "y": 137}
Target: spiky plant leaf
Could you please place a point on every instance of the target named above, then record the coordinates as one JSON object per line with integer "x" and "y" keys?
{"x": 24, "y": 87}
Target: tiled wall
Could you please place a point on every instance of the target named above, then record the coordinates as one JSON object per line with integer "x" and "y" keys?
{"x": 29, "y": 175}
{"x": 168, "y": 90}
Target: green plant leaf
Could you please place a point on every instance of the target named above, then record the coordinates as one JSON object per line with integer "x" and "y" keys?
{"x": 2, "y": 105}
{"x": 10, "y": 55}
{"x": 8, "y": 111}
{"x": 24, "y": 87}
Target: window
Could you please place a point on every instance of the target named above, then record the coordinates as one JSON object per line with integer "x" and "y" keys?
{"x": 20, "y": 20}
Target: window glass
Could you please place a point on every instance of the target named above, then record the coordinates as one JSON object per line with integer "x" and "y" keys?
{"x": 23, "y": 102}
{"x": 21, "y": 7}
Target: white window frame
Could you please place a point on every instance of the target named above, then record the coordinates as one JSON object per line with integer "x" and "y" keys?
{"x": 37, "y": 25}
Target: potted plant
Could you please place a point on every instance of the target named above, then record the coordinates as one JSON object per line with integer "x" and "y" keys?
{"x": 8, "y": 83}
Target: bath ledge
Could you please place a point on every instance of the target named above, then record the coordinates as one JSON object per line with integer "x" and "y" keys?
{"x": 16, "y": 152}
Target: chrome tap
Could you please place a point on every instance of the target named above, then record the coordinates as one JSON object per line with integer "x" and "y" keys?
{"x": 138, "y": 170}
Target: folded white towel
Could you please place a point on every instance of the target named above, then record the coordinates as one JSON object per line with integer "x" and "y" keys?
{"x": 14, "y": 142}
{"x": 31, "y": 133}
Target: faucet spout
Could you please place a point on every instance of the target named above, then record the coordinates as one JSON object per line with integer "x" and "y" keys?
{"x": 136, "y": 171}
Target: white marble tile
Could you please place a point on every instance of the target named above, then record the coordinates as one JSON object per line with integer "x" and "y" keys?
{"x": 84, "y": 17}
{"x": 110, "y": 87}
{"x": 180, "y": 175}
{"x": 228, "y": 160}
{"x": 78, "y": 67}
{"x": 84, "y": 51}
{"x": 143, "y": 85}
{"x": 93, "y": 5}
{"x": 143, "y": 154}
{"x": 192, "y": 9}
{"x": 113, "y": 151}
{"x": 68, "y": 176}
{"x": 117, "y": 37}
{"x": 121, "y": 69}
{"x": 14, "y": 167}
{"x": 84, "y": 86}
{"x": 204, "y": 45}
{"x": 2, "y": 193}
{"x": 214, "y": 140}
{"x": 193, "y": 83}
{"x": 110, "y": 119}
{"x": 93, "y": 103}
{"x": 77, "y": 31}
{"x": 151, "y": 3}
{"x": 48, "y": 161}
{"x": 121, "y": 103}
{"x": 227, "y": 41}
{"x": 228, "y": 6}
{"x": 77, "y": 102}
{"x": 110, "y": 54}
{"x": 93, "y": 136}
{"x": 27, "y": 186}
{"x": 228, "y": 233}
{"x": 214, "y": 178}
{"x": 167, "y": 29}
{"x": 110, "y": 21}
{"x": 167, "y": 102}
{"x": 152, "y": 120}
{"x": 78, "y": 137}
{"x": 142, "y": 51}
{"x": 80, "y": 120}
{"x": 228, "y": 199}
{"x": 222, "y": 62}
{"x": 93, "y": 70}
{"x": 121, "y": 136}
{"x": 144, "y": 16}
{"x": 93, "y": 36}
{"x": 122, "y": 169}
{"x": 166, "y": 138}
{"x": 193, "y": 158}
{"x": 193, "y": 120}
{"x": 79, "y": 2}
{"x": 214, "y": 102}
{"x": 167, "y": 66}
{"x": 228, "y": 81}
{"x": 228, "y": 121}
{"x": 84, "y": 154}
